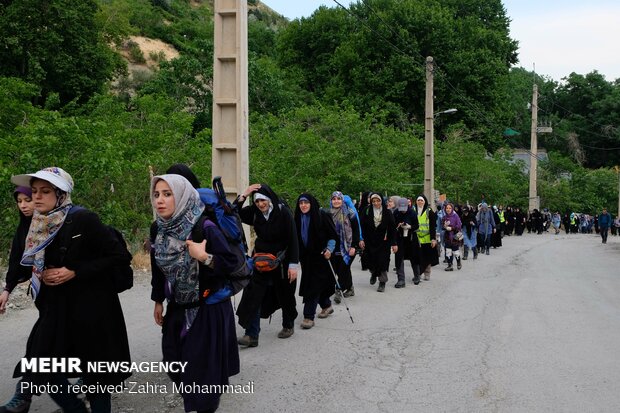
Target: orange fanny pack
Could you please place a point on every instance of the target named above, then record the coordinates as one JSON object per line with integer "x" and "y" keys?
{"x": 265, "y": 262}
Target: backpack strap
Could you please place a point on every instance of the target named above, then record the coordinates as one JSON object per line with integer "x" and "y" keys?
{"x": 64, "y": 245}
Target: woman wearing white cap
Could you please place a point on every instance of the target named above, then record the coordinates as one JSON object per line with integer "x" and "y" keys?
{"x": 79, "y": 311}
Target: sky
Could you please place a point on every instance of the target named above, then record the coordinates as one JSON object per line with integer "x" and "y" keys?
{"x": 556, "y": 37}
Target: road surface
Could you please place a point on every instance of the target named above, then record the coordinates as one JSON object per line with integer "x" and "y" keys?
{"x": 533, "y": 327}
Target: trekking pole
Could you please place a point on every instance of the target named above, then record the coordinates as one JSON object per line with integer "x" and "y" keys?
{"x": 340, "y": 289}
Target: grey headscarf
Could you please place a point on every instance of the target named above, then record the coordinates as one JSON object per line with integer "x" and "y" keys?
{"x": 171, "y": 254}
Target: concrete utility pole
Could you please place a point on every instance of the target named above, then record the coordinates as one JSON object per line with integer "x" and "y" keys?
{"x": 534, "y": 200}
{"x": 617, "y": 168}
{"x": 230, "y": 155}
{"x": 429, "y": 149}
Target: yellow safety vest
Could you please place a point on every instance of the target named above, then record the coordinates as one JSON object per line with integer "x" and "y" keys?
{"x": 501, "y": 217}
{"x": 424, "y": 233}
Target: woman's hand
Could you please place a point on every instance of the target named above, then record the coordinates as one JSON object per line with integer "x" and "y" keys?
{"x": 250, "y": 190}
{"x": 57, "y": 276}
{"x": 292, "y": 275}
{"x": 158, "y": 314}
{"x": 197, "y": 250}
{"x": 351, "y": 252}
{"x": 362, "y": 245}
{"x": 394, "y": 249}
{"x": 4, "y": 299}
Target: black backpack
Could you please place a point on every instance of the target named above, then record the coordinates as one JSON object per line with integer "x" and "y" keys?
{"x": 122, "y": 275}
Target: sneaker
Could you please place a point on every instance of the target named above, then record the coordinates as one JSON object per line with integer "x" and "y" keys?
{"x": 400, "y": 284}
{"x": 449, "y": 268}
{"x": 286, "y": 332}
{"x": 350, "y": 292}
{"x": 248, "y": 341}
{"x": 373, "y": 279}
{"x": 381, "y": 287}
{"x": 427, "y": 277}
{"x": 307, "y": 324}
{"x": 416, "y": 280}
{"x": 326, "y": 312}
{"x": 337, "y": 297}
{"x": 17, "y": 404}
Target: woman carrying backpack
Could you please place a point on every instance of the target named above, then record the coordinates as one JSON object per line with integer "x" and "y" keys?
{"x": 199, "y": 325}
{"x": 80, "y": 314}
{"x": 348, "y": 230}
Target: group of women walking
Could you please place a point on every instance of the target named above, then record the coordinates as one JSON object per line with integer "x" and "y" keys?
{"x": 69, "y": 255}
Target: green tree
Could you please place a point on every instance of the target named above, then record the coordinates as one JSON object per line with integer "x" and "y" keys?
{"x": 373, "y": 57}
{"x": 56, "y": 45}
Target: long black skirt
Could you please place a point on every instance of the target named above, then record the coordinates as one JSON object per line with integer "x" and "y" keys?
{"x": 209, "y": 348}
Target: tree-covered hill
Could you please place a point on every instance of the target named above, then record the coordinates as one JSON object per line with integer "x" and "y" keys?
{"x": 336, "y": 102}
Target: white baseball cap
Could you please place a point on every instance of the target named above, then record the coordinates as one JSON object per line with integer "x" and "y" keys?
{"x": 54, "y": 175}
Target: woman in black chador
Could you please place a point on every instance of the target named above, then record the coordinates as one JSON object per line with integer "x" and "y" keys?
{"x": 379, "y": 232}
{"x": 317, "y": 237}
{"x": 519, "y": 221}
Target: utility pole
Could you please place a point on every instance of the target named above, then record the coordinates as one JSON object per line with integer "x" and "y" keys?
{"x": 534, "y": 202}
{"x": 429, "y": 149}
{"x": 230, "y": 137}
{"x": 617, "y": 168}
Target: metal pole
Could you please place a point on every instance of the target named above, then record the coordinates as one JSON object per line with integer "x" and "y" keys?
{"x": 429, "y": 151}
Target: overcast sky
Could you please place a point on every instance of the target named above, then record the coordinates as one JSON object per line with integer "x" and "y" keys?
{"x": 556, "y": 37}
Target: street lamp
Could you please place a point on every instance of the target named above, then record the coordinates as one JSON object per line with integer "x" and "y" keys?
{"x": 446, "y": 112}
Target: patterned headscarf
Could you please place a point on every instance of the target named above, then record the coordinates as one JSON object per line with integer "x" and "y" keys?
{"x": 171, "y": 253}
{"x": 342, "y": 220}
{"x": 43, "y": 230}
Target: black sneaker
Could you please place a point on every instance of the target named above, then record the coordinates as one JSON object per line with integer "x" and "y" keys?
{"x": 381, "y": 287}
{"x": 349, "y": 293}
{"x": 400, "y": 284}
{"x": 248, "y": 341}
{"x": 17, "y": 404}
{"x": 286, "y": 332}
{"x": 337, "y": 297}
{"x": 373, "y": 279}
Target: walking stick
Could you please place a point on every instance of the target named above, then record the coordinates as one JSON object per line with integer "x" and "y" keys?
{"x": 340, "y": 289}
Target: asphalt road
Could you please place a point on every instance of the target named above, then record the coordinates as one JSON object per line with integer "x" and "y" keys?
{"x": 533, "y": 327}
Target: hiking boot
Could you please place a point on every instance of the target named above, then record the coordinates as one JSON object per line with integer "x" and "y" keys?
{"x": 400, "y": 284}
{"x": 416, "y": 279}
{"x": 338, "y": 297}
{"x": 248, "y": 341}
{"x": 307, "y": 324}
{"x": 427, "y": 277}
{"x": 286, "y": 332}
{"x": 17, "y": 404}
{"x": 449, "y": 268}
{"x": 349, "y": 293}
{"x": 487, "y": 251}
{"x": 458, "y": 263}
{"x": 373, "y": 279}
{"x": 326, "y": 312}
{"x": 381, "y": 287}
